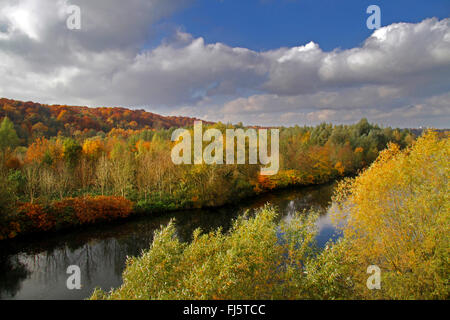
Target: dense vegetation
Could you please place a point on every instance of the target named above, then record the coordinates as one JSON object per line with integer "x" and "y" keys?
{"x": 33, "y": 120}
{"x": 394, "y": 215}
{"x": 397, "y": 215}
{"x": 48, "y": 178}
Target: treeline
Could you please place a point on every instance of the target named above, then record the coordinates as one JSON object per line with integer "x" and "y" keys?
{"x": 394, "y": 216}
{"x": 34, "y": 120}
{"x": 134, "y": 167}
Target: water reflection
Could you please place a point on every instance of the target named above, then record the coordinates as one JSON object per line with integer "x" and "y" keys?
{"x": 36, "y": 268}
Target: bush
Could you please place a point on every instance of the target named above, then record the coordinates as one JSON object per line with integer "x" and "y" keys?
{"x": 155, "y": 205}
{"x": 35, "y": 217}
{"x": 396, "y": 215}
{"x": 94, "y": 209}
{"x": 257, "y": 259}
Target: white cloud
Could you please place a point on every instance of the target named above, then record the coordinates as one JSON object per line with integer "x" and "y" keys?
{"x": 399, "y": 75}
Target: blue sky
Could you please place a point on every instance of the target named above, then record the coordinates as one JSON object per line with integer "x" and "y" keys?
{"x": 262, "y": 62}
{"x": 269, "y": 24}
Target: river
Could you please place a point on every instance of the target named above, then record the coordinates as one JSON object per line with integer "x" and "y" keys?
{"x": 35, "y": 268}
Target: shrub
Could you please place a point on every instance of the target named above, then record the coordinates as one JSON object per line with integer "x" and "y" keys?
{"x": 396, "y": 215}
{"x": 257, "y": 259}
{"x": 100, "y": 208}
{"x": 36, "y": 218}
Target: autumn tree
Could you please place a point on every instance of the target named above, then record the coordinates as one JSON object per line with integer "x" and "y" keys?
{"x": 102, "y": 174}
{"x": 122, "y": 170}
{"x": 396, "y": 215}
{"x": 31, "y": 173}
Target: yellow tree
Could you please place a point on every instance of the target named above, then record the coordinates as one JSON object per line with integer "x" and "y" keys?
{"x": 396, "y": 215}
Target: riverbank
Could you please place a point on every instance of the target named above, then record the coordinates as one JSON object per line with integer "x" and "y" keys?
{"x": 73, "y": 213}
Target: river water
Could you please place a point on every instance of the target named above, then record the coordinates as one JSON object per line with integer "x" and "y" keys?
{"x": 35, "y": 268}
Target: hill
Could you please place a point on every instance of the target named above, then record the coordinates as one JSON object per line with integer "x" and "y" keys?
{"x": 34, "y": 119}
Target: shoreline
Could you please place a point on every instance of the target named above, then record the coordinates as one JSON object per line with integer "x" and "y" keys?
{"x": 157, "y": 213}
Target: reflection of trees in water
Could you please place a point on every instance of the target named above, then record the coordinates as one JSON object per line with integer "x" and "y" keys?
{"x": 48, "y": 266}
{"x": 92, "y": 257}
{"x": 290, "y": 201}
{"x": 12, "y": 273}
{"x": 206, "y": 219}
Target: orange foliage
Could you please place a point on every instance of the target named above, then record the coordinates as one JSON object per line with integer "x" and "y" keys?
{"x": 119, "y": 132}
{"x": 266, "y": 183}
{"x": 38, "y": 217}
{"x": 13, "y": 163}
{"x": 36, "y": 151}
{"x": 93, "y": 209}
{"x": 93, "y": 148}
{"x": 340, "y": 168}
{"x": 143, "y": 146}
{"x": 69, "y": 212}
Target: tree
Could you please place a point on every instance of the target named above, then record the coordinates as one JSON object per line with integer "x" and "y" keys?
{"x": 396, "y": 215}
{"x": 8, "y": 138}
{"x": 63, "y": 178}
{"x": 37, "y": 150}
{"x": 71, "y": 152}
{"x": 8, "y": 199}
{"x": 257, "y": 259}
{"x": 122, "y": 170}
{"x": 31, "y": 173}
{"x": 8, "y": 135}
{"x": 144, "y": 176}
{"x": 102, "y": 173}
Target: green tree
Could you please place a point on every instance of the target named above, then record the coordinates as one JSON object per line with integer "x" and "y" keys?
{"x": 8, "y": 138}
{"x": 257, "y": 259}
{"x": 71, "y": 152}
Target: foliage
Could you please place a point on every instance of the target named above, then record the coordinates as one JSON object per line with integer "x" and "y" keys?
{"x": 396, "y": 215}
{"x": 38, "y": 120}
{"x": 71, "y": 152}
{"x": 34, "y": 217}
{"x": 100, "y": 208}
{"x": 8, "y": 135}
{"x": 257, "y": 259}
{"x": 8, "y": 197}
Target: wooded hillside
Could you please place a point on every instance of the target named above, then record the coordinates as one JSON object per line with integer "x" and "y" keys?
{"x": 32, "y": 120}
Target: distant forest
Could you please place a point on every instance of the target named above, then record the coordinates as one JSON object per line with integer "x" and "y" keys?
{"x": 32, "y": 120}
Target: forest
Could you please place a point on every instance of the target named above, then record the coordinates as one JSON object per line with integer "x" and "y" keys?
{"x": 35, "y": 120}
{"x": 62, "y": 167}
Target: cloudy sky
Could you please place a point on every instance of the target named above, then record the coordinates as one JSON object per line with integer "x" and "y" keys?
{"x": 262, "y": 62}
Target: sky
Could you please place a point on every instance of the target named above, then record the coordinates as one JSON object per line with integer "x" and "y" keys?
{"x": 260, "y": 62}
